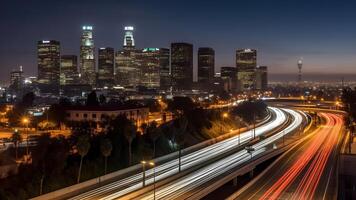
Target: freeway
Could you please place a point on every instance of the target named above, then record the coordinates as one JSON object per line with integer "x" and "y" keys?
{"x": 186, "y": 186}
{"x": 306, "y": 171}
{"x": 132, "y": 183}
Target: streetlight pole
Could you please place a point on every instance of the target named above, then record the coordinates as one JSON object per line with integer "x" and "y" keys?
{"x": 143, "y": 172}
{"x": 224, "y": 115}
{"x": 25, "y": 121}
{"x": 154, "y": 180}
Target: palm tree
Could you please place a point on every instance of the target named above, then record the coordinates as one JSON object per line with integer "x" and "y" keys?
{"x": 16, "y": 138}
{"x": 154, "y": 133}
{"x": 130, "y": 134}
{"x": 83, "y": 147}
{"x": 106, "y": 148}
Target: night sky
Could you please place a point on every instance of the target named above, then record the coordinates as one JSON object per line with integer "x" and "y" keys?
{"x": 323, "y": 32}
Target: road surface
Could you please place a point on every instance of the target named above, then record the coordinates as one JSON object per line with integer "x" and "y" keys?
{"x": 132, "y": 183}
{"x": 185, "y": 186}
{"x": 306, "y": 171}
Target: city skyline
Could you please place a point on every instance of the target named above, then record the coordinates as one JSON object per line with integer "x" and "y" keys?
{"x": 313, "y": 30}
{"x": 201, "y": 99}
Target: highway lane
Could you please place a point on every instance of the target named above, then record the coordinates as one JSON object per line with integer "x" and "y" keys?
{"x": 306, "y": 171}
{"x": 185, "y": 186}
{"x": 124, "y": 186}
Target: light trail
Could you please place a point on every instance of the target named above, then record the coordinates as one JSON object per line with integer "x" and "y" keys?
{"x": 188, "y": 183}
{"x": 313, "y": 161}
{"x": 124, "y": 186}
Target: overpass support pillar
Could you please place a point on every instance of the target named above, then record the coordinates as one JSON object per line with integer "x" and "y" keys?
{"x": 234, "y": 181}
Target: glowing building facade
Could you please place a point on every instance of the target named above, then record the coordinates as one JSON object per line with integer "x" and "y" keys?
{"x": 87, "y": 56}
{"x": 129, "y": 41}
{"x": 246, "y": 63}
{"x": 261, "y": 78}
{"x": 17, "y": 79}
{"x": 106, "y": 62}
{"x": 127, "y": 68}
{"x": 229, "y": 78}
{"x": 48, "y": 61}
{"x": 206, "y": 65}
{"x": 164, "y": 71}
{"x": 69, "y": 70}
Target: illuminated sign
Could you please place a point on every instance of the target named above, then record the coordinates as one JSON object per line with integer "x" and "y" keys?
{"x": 129, "y": 28}
{"x": 150, "y": 49}
{"x": 45, "y": 41}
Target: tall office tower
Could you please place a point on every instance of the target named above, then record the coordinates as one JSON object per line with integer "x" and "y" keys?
{"x": 165, "y": 73}
{"x": 300, "y": 65}
{"x": 87, "y": 57}
{"x": 129, "y": 42}
{"x": 106, "y": 61}
{"x": 48, "y": 59}
{"x": 150, "y": 67}
{"x": 127, "y": 68}
{"x": 229, "y": 78}
{"x": 182, "y": 66}
{"x": 69, "y": 70}
{"x": 261, "y": 78}
{"x": 16, "y": 79}
{"x": 206, "y": 65}
{"x": 246, "y": 61}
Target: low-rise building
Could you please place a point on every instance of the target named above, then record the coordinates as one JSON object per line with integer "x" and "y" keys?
{"x": 138, "y": 114}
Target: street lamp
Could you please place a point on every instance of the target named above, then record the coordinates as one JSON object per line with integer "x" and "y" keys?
{"x": 154, "y": 179}
{"x": 26, "y": 121}
{"x": 224, "y": 115}
{"x": 143, "y": 172}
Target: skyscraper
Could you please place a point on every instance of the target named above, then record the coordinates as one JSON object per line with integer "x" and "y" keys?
{"x": 165, "y": 74}
{"x": 16, "y": 79}
{"x": 261, "y": 78}
{"x": 246, "y": 63}
{"x": 106, "y": 63}
{"x": 182, "y": 66}
{"x": 127, "y": 65}
{"x": 87, "y": 57}
{"x": 48, "y": 59}
{"x": 206, "y": 65}
{"x": 149, "y": 60}
{"x": 69, "y": 70}
{"x": 127, "y": 68}
{"x": 229, "y": 78}
{"x": 129, "y": 42}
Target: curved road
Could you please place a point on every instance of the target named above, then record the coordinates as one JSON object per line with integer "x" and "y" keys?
{"x": 185, "y": 186}
{"x": 124, "y": 186}
{"x": 306, "y": 171}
